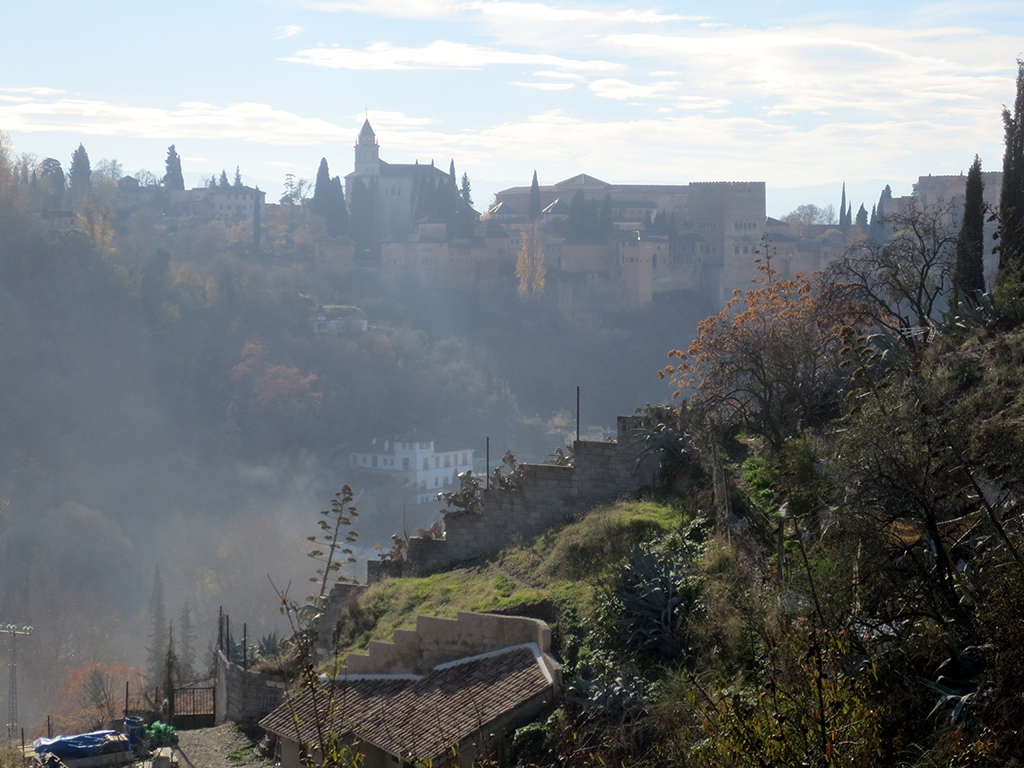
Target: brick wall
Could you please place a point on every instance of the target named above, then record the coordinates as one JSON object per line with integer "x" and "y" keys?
{"x": 241, "y": 694}
{"x": 548, "y": 496}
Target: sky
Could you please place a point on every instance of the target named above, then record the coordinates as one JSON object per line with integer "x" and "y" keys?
{"x": 801, "y": 95}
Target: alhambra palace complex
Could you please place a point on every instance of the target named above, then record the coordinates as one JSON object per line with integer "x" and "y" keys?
{"x": 697, "y": 240}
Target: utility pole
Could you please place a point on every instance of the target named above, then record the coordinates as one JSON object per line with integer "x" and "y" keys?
{"x": 12, "y": 677}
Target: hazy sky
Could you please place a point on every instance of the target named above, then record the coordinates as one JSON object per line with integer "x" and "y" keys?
{"x": 796, "y": 94}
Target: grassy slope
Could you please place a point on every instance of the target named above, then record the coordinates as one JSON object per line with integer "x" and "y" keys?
{"x": 556, "y": 571}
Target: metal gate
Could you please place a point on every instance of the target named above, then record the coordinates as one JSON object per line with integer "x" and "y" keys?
{"x": 193, "y": 708}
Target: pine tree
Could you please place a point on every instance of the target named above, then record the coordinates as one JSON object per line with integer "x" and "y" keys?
{"x": 534, "y": 208}
{"x": 156, "y": 654}
{"x": 80, "y": 174}
{"x": 969, "y": 272}
{"x": 187, "y": 644}
{"x": 173, "y": 179}
{"x": 465, "y": 191}
{"x": 1011, "y": 197}
{"x": 224, "y": 184}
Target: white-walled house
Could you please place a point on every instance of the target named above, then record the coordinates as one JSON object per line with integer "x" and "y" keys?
{"x": 424, "y": 467}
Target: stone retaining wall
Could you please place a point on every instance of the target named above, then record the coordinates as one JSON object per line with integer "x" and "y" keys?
{"x": 548, "y": 496}
{"x": 243, "y": 694}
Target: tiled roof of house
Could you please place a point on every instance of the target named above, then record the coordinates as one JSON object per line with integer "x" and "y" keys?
{"x": 421, "y": 717}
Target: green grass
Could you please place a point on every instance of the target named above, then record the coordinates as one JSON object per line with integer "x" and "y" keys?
{"x": 561, "y": 567}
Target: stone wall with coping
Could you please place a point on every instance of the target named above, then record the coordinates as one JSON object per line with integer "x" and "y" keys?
{"x": 437, "y": 641}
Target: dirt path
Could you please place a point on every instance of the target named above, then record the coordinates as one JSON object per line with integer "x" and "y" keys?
{"x": 222, "y": 747}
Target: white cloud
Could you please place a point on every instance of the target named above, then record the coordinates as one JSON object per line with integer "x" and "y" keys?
{"x": 546, "y": 86}
{"x": 547, "y": 13}
{"x": 833, "y": 68}
{"x": 623, "y": 90}
{"x": 559, "y": 75}
{"x": 402, "y": 9}
{"x": 291, "y": 30}
{"x": 441, "y": 54}
{"x": 38, "y": 91}
{"x": 245, "y": 121}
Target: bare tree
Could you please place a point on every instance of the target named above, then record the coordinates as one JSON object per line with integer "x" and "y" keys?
{"x": 904, "y": 282}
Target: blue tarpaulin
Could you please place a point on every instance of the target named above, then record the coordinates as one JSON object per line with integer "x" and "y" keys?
{"x": 82, "y": 744}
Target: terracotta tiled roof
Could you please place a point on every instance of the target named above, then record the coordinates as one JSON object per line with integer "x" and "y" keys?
{"x": 423, "y": 716}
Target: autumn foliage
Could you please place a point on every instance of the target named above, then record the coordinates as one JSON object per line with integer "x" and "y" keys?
{"x": 770, "y": 359}
{"x": 92, "y": 696}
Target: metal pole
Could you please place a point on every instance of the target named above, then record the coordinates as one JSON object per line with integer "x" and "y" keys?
{"x": 577, "y": 412}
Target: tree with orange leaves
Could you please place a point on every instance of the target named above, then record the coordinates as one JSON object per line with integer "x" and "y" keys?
{"x": 770, "y": 359}
{"x": 92, "y": 695}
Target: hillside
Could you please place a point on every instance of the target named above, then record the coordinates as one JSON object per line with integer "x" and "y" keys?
{"x": 849, "y": 594}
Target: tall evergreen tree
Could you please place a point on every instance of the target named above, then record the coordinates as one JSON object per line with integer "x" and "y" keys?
{"x": 224, "y": 184}
{"x": 862, "y": 217}
{"x": 534, "y": 208}
{"x": 969, "y": 271}
{"x": 466, "y": 191}
{"x": 606, "y": 222}
{"x": 257, "y": 225}
{"x": 80, "y": 174}
{"x": 173, "y": 178}
{"x": 336, "y": 210}
{"x": 844, "y": 219}
{"x": 187, "y": 646}
{"x": 1011, "y": 197}
{"x": 156, "y": 654}
{"x": 51, "y": 181}
{"x": 238, "y": 177}
{"x": 321, "y": 189}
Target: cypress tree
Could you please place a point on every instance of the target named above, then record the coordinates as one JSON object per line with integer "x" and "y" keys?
{"x": 1011, "y": 197}
{"x": 238, "y": 176}
{"x": 257, "y": 225}
{"x": 337, "y": 210}
{"x": 224, "y": 179}
{"x": 173, "y": 178}
{"x": 534, "y": 208}
{"x": 844, "y": 219}
{"x": 80, "y": 173}
{"x": 969, "y": 272}
{"x": 321, "y": 190}
{"x": 862, "y": 216}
